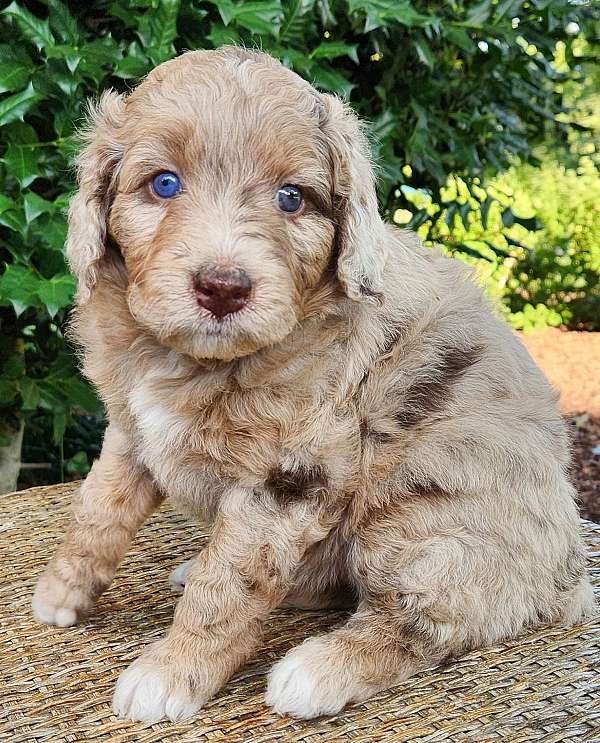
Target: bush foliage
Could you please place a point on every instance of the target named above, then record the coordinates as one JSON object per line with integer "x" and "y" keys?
{"x": 454, "y": 91}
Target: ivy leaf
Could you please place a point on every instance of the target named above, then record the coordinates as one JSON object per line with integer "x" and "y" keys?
{"x": 34, "y": 29}
{"x": 22, "y": 163}
{"x": 18, "y": 287}
{"x": 16, "y": 106}
{"x": 35, "y": 205}
{"x": 56, "y": 293}
{"x": 54, "y": 233}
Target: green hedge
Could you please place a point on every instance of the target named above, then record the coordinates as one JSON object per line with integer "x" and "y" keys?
{"x": 455, "y": 92}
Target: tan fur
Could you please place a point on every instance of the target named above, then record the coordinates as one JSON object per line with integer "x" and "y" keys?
{"x": 364, "y": 430}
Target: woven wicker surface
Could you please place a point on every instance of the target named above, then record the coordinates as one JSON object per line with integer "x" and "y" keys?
{"x": 56, "y": 684}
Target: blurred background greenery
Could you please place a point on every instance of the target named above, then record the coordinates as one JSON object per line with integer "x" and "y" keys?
{"x": 485, "y": 121}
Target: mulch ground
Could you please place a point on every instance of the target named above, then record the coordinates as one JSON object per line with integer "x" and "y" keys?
{"x": 571, "y": 361}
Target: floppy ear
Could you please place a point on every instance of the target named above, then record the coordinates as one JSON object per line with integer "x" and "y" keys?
{"x": 96, "y": 176}
{"x": 361, "y": 232}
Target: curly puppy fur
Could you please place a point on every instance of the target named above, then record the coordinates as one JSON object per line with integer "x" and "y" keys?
{"x": 364, "y": 431}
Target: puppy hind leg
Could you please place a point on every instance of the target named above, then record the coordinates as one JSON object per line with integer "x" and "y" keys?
{"x": 374, "y": 650}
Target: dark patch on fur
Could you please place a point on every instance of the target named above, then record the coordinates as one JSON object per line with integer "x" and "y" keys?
{"x": 430, "y": 395}
{"x": 378, "y": 437}
{"x": 429, "y": 489}
{"x": 304, "y": 482}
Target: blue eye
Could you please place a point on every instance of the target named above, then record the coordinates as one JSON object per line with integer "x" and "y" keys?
{"x": 166, "y": 185}
{"x": 289, "y": 198}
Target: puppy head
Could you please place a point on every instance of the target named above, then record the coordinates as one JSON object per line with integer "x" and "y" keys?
{"x": 234, "y": 192}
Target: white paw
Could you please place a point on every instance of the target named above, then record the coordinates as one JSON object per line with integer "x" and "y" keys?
{"x": 54, "y": 603}
{"x": 305, "y": 684}
{"x": 178, "y": 576}
{"x": 142, "y": 693}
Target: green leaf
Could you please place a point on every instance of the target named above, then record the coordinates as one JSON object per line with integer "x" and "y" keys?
{"x": 30, "y": 393}
{"x": 260, "y": 17}
{"x": 381, "y": 12}
{"x": 13, "y": 76}
{"x": 18, "y": 287}
{"x": 135, "y": 65}
{"x": 16, "y": 106}
{"x": 335, "y": 49}
{"x": 479, "y": 13}
{"x": 34, "y": 29}
{"x": 69, "y": 54}
{"x": 59, "y": 426}
{"x": 129, "y": 19}
{"x": 22, "y": 163}
{"x": 257, "y": 16}
{"x": 220, "y": 35}
{"x": 56, "y": 293}
{"x": 6, "y": 203}
{"x": 35, "y": 205}
{"x": 54, "y": 233}
{"x": 62, "y": 22}
{"x": 77, "y": 464}
{"x": 424, "y": 52}
{"x": 459, "y": 37}
{"x": 329, "y": 79}
{"x": 8, "y": 390}
{"x": 14, "y": 366}
{"x": 157, "y": 29}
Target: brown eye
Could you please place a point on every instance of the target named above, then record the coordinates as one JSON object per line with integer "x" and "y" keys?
{"x": 289, "y": 198}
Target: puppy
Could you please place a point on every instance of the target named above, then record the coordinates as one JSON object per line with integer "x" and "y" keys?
{"x": 338, "y": 401}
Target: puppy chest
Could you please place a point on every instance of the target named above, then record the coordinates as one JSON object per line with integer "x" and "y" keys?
{"x": 240, "y": 440}
{"x": 219, "y": 440}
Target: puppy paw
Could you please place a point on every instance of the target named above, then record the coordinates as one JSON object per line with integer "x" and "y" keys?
{"x": 54, "y": 602}
{"x": 308, "y": 682}
{"x": 144, "y": 693}
{"x": 160, "y": 685}
{"x": 178, "y": 576}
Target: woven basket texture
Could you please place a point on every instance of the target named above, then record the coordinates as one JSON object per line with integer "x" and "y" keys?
{"x": 56, "y": 684}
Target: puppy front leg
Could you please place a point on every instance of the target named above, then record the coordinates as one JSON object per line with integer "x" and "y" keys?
{"x": 115, "y": 499}
{"x": 244, "y": 572}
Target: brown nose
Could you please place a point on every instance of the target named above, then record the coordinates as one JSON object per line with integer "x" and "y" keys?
{"x": 222, "y": 290}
